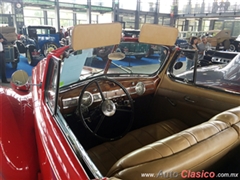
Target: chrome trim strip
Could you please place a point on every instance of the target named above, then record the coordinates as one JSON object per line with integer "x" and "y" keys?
{"x": 107, "y": 94}
{"x": 220, "y": 60}
{"x": 65, "y": 102}
{"x": 76, "y": 146}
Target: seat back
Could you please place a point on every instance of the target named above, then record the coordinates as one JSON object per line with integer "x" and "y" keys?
{"x": 194, "y": 149}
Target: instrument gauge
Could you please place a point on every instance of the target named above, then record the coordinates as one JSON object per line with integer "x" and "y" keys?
{"x": 140, "y": 88}
{"x": 87, "y": 99}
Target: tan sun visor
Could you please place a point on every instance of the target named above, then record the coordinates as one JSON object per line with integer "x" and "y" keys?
{"x": 85, "y": 36}
{"x": 157, "y": 34}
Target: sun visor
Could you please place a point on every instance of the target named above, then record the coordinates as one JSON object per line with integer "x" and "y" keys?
{"x": 157, "y": 34}
{"x": 85, "y": 36}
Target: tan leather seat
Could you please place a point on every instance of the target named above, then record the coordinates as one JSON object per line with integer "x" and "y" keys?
{"x": 105, "y": 155}
{"x": 193, "y": 149}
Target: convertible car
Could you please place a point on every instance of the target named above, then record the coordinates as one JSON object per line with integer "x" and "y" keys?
{"x": 81, "y": 117}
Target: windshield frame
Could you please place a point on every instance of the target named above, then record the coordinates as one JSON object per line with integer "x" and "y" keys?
{"x": 93, "y": 72}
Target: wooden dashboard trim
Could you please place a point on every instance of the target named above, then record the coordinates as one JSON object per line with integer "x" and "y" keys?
{"x": 151, "y": 84}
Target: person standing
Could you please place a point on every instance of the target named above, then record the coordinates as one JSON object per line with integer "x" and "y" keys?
{"x": 226, "y": 6}
{"x": 203, "y": 46}
{"x": 2, "y": 60}
{"x": 193, "y": 45}
{"x": 63, "y": 30}
{"x": 61, "y": 35}
{"x": 215, "y": 6}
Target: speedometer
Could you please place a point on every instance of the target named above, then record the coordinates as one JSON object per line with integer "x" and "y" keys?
{"x": 87, "y": 99}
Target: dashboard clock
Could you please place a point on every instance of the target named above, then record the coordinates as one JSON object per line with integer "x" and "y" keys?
{"x": 140, "y": 88}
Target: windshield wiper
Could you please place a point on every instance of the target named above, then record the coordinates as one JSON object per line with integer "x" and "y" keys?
{"x": 126, "y": 69}
{"x": 94, "y": 73}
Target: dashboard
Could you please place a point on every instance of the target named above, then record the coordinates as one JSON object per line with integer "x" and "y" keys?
{"x": 136, "y": 87}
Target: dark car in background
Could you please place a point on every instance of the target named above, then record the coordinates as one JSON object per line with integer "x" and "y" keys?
{"x": 182, "y": 43}
{"x": 235, "y": 44}
{"x": 38, "y": 41}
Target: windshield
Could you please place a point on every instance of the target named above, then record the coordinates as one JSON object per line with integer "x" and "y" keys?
{"x": 138, "y": 59}
{"x": 41, "y": 30}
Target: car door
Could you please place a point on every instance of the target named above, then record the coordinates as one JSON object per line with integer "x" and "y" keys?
{"x": 181, "y": 95}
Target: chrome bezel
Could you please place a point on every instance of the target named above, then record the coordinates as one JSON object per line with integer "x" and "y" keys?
{"x": 140, "y": 88}
{"x": 90, "y": 97}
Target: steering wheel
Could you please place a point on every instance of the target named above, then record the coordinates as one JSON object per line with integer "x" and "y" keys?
{"x": 107, "y": 114}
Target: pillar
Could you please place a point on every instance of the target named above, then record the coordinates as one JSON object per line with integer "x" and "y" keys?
{"x": 45, "y": 17}
{"x": 57, "y": 13}
{"x": 89, "y": 12}
{"x": 186, "y": 25}
{"x": 136, "y": 25}
{"x": 18, "y": 15}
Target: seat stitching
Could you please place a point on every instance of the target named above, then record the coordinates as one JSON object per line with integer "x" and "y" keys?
{"x": 156, "y": 150}
{"x": 192, "y": 135}
{"x": 216, "y": 126}
{"x": 127, "y": 167}
{"x": 168, "y": 146}
{"x": 182, "y": 135}
{"x": 204, "y": 138}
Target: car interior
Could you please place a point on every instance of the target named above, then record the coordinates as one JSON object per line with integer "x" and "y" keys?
{"x": 133, "y": 124}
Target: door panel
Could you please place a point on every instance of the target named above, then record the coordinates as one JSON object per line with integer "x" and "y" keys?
{"x": 190, "y": 103}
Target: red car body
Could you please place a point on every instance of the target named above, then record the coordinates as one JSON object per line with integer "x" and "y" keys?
{"x": 32, "y": 145}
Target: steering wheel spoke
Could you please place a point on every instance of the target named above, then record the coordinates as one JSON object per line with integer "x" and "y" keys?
{"x": 99, "y": 124}
{"x": 124, "y": 110}
{"x": 100, "y": 90}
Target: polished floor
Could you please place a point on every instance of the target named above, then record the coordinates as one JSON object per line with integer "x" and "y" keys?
{"x": 6, "y": 84}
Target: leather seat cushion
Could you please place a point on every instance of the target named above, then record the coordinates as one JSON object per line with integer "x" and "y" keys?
{"x": 105, "y": 155}
{"x": 195, "y": 148}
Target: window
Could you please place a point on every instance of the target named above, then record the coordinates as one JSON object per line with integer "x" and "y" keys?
{"x": 105, "y": 3}
{"x": 6, "y": 8}
{"x": 166, "y": 21}
{"x": 148, "y": 5}
{"x": 126, "y": 4}
{"x": 205, "y": 73}
{"x": 236, "y": 30}
{"x": 150, "y": 19}
{"x": 33, "y": 16}
{"x": 52, "y": 84}
{"x": 66, "y": 18}
{"x": 218, "y": 25}
{"x": 184, "y": 66}
{"x": 82, "y": 18}
{"x": 165, "y": 6}
{"x": 129, "y": 20}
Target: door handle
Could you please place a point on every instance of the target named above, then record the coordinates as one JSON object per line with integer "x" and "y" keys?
{"x": 188, "y": 99}
{"x": 171, "y": 101}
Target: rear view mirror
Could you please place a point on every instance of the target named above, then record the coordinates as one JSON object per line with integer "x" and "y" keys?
{"x": 116, "y": 56}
